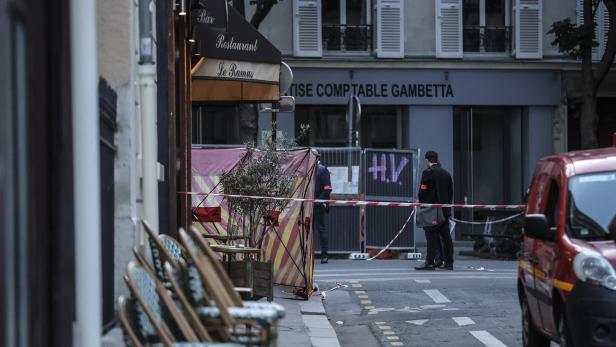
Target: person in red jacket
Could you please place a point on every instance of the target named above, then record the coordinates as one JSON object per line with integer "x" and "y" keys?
{"x": 322, "y": 191}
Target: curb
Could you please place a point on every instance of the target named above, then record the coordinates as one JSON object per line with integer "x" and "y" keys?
{"x": 320, "y": 330}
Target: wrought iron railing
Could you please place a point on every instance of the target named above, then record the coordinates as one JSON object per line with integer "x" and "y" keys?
{"x": 347, "y": 38}
{"x": 487, "y": 38}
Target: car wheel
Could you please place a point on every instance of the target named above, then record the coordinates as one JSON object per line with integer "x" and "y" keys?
{"x": 531, "y": 337}
{"x": 563, "y": 331}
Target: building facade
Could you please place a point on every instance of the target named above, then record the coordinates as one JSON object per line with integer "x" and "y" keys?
{"x": 478, "y": 81}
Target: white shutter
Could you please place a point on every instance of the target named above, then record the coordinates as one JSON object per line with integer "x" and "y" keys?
{"x": 307, "y": 28}
{"x": 601, "y": 16}
{"x": 605, "y": 29}
{"x": 390, "y": 28}
{"x": 449, "y": 28}
{"x": 529, "y": 29}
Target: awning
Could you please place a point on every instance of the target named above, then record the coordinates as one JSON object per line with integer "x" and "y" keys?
{"x": 238, "y": 63}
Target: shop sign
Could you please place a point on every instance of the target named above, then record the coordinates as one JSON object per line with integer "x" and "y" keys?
{"x": 238, "y": 70}
{"x": 328, "y": 86}
{"x": 237, "y": 40}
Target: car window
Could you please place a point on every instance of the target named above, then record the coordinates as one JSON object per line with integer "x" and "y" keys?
{"x": 551, "y": 211}
{"x": 591, "y": 205}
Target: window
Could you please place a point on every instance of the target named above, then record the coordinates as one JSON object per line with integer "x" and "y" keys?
{"x": 486, "y": 25}
{"x": 216, "y": 124}
{"x": 346, "y": 25}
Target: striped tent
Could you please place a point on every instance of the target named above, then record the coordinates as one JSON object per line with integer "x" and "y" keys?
{"x": 289, "y": 245}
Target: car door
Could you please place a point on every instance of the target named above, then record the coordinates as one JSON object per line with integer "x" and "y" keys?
{"x": 546, "y": 252}
{"x": 535, "y": 204}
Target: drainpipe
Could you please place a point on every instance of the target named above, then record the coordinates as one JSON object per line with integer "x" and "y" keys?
{"x": 149, "y": 137}
{"x": 86, "y": 171}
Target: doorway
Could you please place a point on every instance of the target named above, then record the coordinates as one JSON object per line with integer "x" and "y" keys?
{"x": 488, "y": 158}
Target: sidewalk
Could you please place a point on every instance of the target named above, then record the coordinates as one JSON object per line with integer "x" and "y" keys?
{"x": 305, "y": 324}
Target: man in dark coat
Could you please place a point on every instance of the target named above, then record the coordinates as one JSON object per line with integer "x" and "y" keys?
{"x": 437, "y": 188}
{"x": 322, "y": 191}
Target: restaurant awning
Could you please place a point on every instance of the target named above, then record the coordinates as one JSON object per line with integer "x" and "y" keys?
{"x": 238, "y": 63}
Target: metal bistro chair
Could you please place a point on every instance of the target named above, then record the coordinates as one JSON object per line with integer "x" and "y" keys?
{"x": 228, "y": 306}
{"x": 154, "y": 302}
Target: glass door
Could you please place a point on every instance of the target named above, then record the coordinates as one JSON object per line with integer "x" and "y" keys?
{"x": 488, "y": 160}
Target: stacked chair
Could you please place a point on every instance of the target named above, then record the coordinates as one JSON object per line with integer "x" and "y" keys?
{"x": 185, "y": 298}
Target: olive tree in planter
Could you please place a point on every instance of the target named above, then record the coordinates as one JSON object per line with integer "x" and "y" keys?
{"x": 260, "y": 172}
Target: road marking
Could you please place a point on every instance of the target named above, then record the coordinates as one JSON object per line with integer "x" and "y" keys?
{"x": 487, "y": 339}
{"x": 363, "y": 296}
{"x": 372, "y": 312}
{"x": 353, "y": 281}
{"x": 462, "y": 321}
{"x": 369, "y": 307}
{"x": 392, "y": 337}
{"x": 437, "y": 296}
{"x": 389, "y": 332}
{"x": 431, "y": 273}
{"x": 360, "y": 292}
{"x": 379, "y": 323}
{"x": 382, "y": 279}
{"x": 397, "y": 343}
{"x": 422, "y": 281}
{"x": 402, "y": 269}
{"x": 384, "y": 327}
{"x": 451, "y": 309}
{"x": 418, "y": 322}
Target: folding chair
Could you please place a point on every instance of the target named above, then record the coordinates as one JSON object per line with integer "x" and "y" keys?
{"x": 228, "y": 306}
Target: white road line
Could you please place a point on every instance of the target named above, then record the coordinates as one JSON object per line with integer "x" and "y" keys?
{"x": 409, "y": 269}
{"x": 414, "y": 273}
{"x": 381, "y": 279}
{"x": 487, "y": 339}
{"x": 462, "y": 321}
{"x": 422, "y": 281}
{"x": 437, "y": 296}
{"x": 419, "y": 322}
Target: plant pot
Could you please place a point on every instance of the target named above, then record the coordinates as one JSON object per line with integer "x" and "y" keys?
{"x": 256, "y": 275}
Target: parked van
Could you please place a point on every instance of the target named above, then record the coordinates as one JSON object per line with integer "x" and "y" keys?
{"x": 567, "y": 267}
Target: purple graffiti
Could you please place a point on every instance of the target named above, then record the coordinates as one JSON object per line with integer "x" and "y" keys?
{"x": 376, "y": 168}
{"x": 395, "y": 172}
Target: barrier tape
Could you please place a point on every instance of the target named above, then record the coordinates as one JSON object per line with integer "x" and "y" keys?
{"x": 395, "y": 237}
{"x": 488, "y": 222}
{"x": 337, "y": 286}
{"x": 361, "y": 203}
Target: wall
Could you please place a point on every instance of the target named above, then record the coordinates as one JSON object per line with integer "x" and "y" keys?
{"x": 538, "y": 139}
{"x": 113, "y": 26}
{"x": 117, "y": 64}
{"x": 277, "y": 27}
{"x": 431, "y": 128}
{"x": 420, "y": 28}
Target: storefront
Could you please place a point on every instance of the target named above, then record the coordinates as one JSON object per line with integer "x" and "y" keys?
{"x": 488, "y": 126}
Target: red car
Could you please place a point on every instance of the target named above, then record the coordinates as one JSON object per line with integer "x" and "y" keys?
{"x": 567, "y": 267}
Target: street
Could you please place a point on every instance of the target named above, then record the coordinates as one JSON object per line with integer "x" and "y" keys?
{"x": 388, "y": 303}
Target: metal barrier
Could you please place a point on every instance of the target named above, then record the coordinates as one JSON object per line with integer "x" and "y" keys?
{"x": 389, "y": 175}
{"x": 343, "y": 230}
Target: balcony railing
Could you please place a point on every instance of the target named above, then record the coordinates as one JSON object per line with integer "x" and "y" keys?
{"x": 487, "y": 38}
{"x": 347, "y": 38}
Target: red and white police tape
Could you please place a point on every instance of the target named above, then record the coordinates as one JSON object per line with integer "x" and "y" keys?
{"x": 362, "y": 203}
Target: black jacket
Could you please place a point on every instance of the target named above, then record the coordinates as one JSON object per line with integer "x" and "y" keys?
{"x": 436, "y": 187}
{"x": 322, "y": 188}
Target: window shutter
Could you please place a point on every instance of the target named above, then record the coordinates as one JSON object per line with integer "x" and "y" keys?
{"x": 449, "y": 28}
{"x": 390, "y": 28}
{"x": 605, "y": 29}
{"x": 307, "y": 28}
{"x": 528, "y": 29}
{"x": 600, "y": 17}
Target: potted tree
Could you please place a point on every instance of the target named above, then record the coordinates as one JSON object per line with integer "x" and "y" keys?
{"x": 260, "y": 172}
